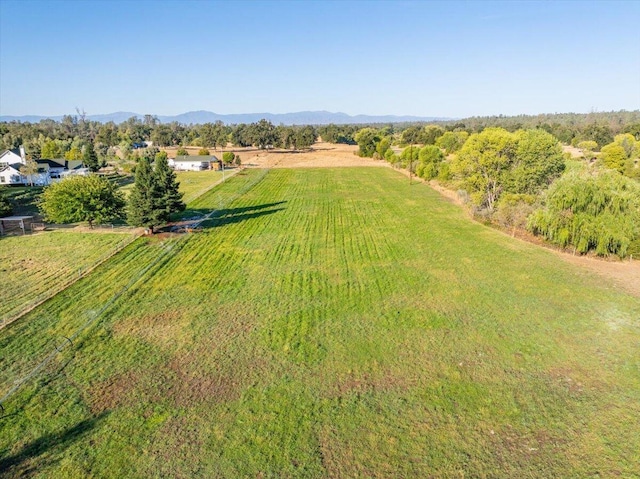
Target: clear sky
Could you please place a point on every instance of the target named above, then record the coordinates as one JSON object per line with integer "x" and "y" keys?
{"x": 452, "y": 59}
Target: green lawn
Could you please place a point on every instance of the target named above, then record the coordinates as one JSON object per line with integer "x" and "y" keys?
{"x": 328, "y": 323}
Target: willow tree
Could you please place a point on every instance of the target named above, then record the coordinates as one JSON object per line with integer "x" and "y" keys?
{"x": 590, "y": 211}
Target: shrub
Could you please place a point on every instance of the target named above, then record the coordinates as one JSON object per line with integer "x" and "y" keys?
{"x": 228, "y": 157}
{"x": 512, "y": 210}
{"x": 430, "y": 158}
{"x": 203, "y": 152}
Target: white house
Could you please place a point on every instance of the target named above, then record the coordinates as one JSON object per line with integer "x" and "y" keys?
{"x": 10, "y": 174}
{"x": 192, "y": 163}
{"x": 48, "y": 170}
{"x": 12, "y": 157}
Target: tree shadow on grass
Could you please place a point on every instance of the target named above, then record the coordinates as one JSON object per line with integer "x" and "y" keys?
{"x": 218, "y": 217}
{"x": 232, "y": 218}
{"x": 42, "y": 452}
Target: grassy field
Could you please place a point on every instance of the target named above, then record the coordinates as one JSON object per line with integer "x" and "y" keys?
{"x": 328, "y": 323}
{"x": 192, "y": 183}
{"x": 33, "y": 265}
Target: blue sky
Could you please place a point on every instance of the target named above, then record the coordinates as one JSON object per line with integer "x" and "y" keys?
{"x": 452, "y": 59}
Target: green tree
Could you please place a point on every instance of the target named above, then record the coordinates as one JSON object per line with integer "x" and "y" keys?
{"x": 483, "y": 162}
{"x": 431, "y": 134}
{"x": 367, "y": 139}
{"x": 228, "y": 157}
{"x": 108, "y": 134}
{"x": 628, "y": 142}
{"x": 383, "y": 146}
{"x": 75, "y": 153}
{"x": 90, "y": 158}
{"x": 145, "y": 198}
{"x": 182, "y": 152}
{"x": 614, "y": 156}
{"x": 263, "y": 134}
{"x": 538, "y": 161}
{"x": 51, "y": 149}
{"x": 170, "y": 200}
{"x": 29, "y": 169}
{"x": 203, "y": 152}
{"x": 221, "y": 135}
{"x": 412, "y": 135}
{"x": 305, "y": 137}
{"x": 429, "y": 158}
{"x": 496, "y": 161}
{"x": 452, "y": 141}
{"x": 88, "y": 198}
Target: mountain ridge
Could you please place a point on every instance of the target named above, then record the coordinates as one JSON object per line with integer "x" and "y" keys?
{"x": 318, "y": 117}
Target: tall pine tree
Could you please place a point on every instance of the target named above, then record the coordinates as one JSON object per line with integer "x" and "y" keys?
{"x": 171, "y": 200}
{"x": 145, "y": 197}
{"x": 155, "y": 195}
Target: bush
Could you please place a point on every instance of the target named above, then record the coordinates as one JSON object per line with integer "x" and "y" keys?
{"x": 591, "y": 212}
{"x": 430, "y": 158}
{"x": 203, "y": 152}
{"x": 228, "y": 157}
{"x": 512, "y": 210}
{"x": 182, "y": 152}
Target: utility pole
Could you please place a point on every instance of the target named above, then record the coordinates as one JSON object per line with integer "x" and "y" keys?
{"x": 410, "y": 161}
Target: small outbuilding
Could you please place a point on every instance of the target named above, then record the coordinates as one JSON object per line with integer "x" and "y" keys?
{"x": 192, "y": 163}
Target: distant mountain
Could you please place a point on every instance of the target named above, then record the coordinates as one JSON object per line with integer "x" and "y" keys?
{"x": 199, "y": 117}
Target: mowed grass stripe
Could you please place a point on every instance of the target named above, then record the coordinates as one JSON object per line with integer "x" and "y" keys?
{"x": 341, "y": 323}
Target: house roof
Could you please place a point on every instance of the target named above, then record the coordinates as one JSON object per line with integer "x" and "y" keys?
{"x": 196, "y": 158}
{"x": 75, "y": 164}
{"x": 13, "y": 166}
{"x": 52, "y": 163}
{"x": 15, "y": 151}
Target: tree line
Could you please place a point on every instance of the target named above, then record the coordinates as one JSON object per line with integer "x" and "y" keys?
{"x": 522, "y": 179}
{"x": 76, "y": 138}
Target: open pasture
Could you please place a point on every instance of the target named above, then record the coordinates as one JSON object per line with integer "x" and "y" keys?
{"x": 192, "y": 183}
{"x": 32, "y": 266}
{"x": 328, "y": 323}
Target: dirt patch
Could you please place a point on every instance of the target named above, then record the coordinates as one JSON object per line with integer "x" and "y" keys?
{"x": 162, "y": 329}
{"x": 573, "y": 151}
{"x": 187, "y": 384}
{"x": 112, "y": 392}
{"x": 625, "y": 274}
{"x": 366, "y": 382}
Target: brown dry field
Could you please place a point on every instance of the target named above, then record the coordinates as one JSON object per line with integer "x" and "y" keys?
{"x": 625, "y": 274}
{"x": 321, "y": 155}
